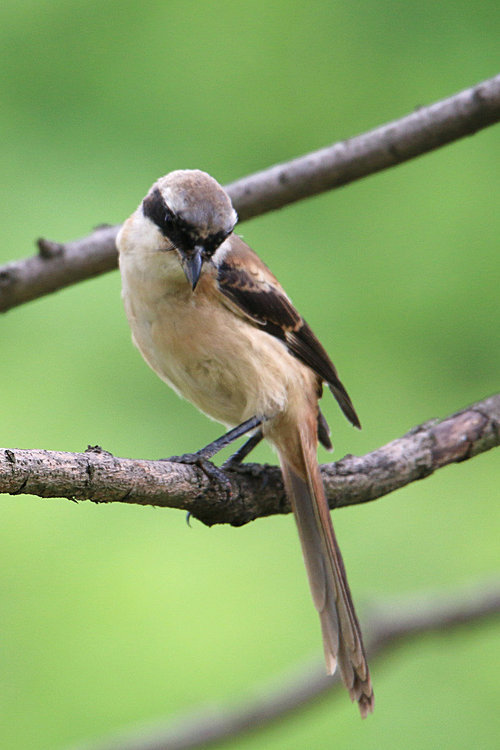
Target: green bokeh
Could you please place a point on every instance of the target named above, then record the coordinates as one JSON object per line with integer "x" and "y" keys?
{"x": 114, "y": 616}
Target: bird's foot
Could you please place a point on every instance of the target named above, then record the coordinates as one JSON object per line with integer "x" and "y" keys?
{"x": 210, "y": 470}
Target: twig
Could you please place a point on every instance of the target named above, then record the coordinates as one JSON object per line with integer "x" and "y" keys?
{"x": 393, "y": 625}
{"x": 50, "y": 270}
{"x": 256, "y": 490}
{"x": 428, "y": 128}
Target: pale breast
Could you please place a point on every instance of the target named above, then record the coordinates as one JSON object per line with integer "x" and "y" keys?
{"x": 220, "y": 362}
{"x": 226, "y": 367}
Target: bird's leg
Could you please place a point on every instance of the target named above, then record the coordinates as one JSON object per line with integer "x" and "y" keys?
{"x": 202, "y": 457}
{"x": 242, "y": 453}
{"x": 212, "y": 448}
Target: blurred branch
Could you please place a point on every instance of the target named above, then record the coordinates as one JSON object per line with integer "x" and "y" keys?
{"x": 389, "y": 626}
{"x": 256, "y": 490}
{"x": 58, "y": 265}
{"x": 398, "y": 141}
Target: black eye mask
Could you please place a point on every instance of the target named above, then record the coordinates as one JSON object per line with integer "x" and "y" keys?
{"x": 178, "y": 231}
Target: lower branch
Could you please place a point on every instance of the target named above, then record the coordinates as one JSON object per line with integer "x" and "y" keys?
{"x": 256, "y": 490}
{"x": 389, "y": 628}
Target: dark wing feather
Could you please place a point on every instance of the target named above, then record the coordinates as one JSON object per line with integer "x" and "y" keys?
{"x": 260, "y": 299}
{"x": 247, "y": 283}
{"x": 304, "y": 344}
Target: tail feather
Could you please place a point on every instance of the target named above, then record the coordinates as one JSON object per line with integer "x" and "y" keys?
{"x": 342, "y": 640}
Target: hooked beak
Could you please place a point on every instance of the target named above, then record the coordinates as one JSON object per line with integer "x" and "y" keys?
{"x": 192, "y": 264}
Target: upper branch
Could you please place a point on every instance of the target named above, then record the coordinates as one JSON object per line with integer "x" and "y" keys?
{"x": 398, "y": 141}
{"x": 59, "y": 265}
{"x": 256, "y": 490}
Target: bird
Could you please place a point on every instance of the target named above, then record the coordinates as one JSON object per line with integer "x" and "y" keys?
{"x": 215, "y": 324}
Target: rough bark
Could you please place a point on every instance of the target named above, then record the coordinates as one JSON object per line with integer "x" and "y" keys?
{"x": 256, "y": 490}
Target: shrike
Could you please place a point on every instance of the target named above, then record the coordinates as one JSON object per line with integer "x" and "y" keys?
{"x": 214, "y": 323}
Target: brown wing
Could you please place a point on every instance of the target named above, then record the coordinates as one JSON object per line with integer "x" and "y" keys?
{"x": 253, "y": 290}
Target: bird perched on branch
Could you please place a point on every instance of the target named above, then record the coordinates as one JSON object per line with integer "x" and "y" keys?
{"x": 214, "y": 323}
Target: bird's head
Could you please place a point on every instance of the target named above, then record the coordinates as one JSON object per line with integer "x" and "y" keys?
{"x": 191, "y": 212}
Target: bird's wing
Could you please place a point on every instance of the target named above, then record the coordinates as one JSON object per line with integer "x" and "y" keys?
{"x": 250, "y": 289}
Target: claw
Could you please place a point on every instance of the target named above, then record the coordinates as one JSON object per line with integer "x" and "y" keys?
{"x": 210, "y": 470}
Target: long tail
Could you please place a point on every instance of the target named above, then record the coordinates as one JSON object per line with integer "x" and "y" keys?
{"x": 342, "y": 638}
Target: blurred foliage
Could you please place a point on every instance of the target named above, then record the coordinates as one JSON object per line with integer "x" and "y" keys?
{"x": 112, "y": 616}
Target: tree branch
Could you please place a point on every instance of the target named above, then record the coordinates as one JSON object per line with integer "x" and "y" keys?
{"x": 56, "y": 266}
{"x": 389, "y": 626}
{"x": 421, "y": 131}
{"x": 59, "y": 265}
{"x": 257, "y": 490}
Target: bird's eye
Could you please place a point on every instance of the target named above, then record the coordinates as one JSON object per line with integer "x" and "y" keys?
{"x": 155, "y": 209}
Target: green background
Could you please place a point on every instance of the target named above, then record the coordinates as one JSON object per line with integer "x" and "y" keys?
{"x": 113, "y": 616}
